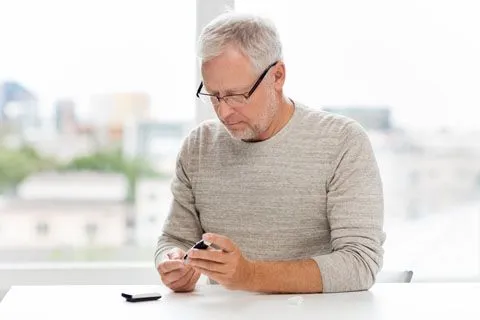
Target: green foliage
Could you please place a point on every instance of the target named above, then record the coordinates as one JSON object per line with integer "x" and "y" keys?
{"x": 17, "y": 164}
{"x": 113, "y": 161}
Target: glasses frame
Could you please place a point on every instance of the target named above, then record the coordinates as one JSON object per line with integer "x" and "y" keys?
{"x": 245, "y": 95}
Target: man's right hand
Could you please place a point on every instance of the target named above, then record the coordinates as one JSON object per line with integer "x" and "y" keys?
{"x": 175, "y": 274}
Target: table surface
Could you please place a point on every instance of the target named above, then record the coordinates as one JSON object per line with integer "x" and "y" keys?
{"x": 383, "y": 301}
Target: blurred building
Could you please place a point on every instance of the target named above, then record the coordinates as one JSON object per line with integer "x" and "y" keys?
{"x": 66, "y": 209}
{"x": 427, "y": 172}
{"x": 18, "y": 113}
{"x": 64, "y": 147}
{"x": 157, "y": 142}
{"x": 17, "y": 104}
{"x": 62, "y": 137}
{"x": 378, "y": 118}
{"x": 112, "y": 111}
{"x": 65, "y": 118}
{"x": 153, "y": 200}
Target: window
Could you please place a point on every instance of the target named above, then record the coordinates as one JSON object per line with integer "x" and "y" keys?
{"x": 101, "y": 94}
{"x": 95, "y": 98}
{"x": 414, "y": 87}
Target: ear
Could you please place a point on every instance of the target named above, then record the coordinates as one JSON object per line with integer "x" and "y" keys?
{"x": 279, "y": 75}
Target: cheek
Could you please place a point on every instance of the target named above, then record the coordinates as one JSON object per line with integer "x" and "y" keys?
{"x": 251, "y": 114}
{"x": 257, "y": 108}
{"x": 243, "y": 114}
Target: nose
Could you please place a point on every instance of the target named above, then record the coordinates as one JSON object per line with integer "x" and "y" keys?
{"x": 224, "y": 110}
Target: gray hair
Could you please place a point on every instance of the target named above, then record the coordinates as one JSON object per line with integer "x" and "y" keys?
{"x": 255, "y": 36}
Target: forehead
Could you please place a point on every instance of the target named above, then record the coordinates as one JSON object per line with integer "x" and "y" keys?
{"x": 230, "y": 70}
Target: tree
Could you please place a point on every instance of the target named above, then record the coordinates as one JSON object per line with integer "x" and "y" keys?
{"x": 114, "y": 161}
{"x": 17, "y": 164}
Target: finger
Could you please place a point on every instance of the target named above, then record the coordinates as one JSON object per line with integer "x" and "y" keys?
{"x": 211, "y": 255}
{"x": 177, "y": 253}
{"x": 208, "y": 265}
{"x": 183, "y": 281}
{"x": 220, "y": 241}
{"x": 170, "y": 265}
{"x": 218, "y": 277}
{"x": 173, "y": 276}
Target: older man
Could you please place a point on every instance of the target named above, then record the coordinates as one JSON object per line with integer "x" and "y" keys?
{"x": 290, "y": 197}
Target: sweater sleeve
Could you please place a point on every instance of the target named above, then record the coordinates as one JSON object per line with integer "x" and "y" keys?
{"x": 182, "y": 226}
{"x": 355, "y": 216}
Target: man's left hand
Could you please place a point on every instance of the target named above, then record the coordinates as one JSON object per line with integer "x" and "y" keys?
{"x": 226, "y": 265}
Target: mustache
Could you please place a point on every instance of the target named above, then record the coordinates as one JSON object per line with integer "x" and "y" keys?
{"x": 230, "y": 121}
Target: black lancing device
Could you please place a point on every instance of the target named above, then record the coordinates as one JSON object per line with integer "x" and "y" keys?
{"x": 202, "y": 245}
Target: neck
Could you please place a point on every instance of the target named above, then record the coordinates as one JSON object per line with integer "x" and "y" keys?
{"x": 284, "y": 113}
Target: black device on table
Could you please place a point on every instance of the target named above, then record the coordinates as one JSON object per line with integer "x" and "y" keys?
{"x": 150, "y": 296}
{"x": 201, "y": 245}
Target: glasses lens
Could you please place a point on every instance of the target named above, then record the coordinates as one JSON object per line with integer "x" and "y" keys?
{"x": 235, "y": 100}
{"x": 207, "y": 99}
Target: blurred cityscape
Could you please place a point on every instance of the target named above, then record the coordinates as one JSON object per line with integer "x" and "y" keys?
{"x": 72, "y": 189}
{"x": 99, "y": 189}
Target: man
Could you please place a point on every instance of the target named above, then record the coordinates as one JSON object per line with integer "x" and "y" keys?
{"x": 290, "y": 197}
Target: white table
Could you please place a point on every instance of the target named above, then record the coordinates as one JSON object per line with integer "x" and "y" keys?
{"x": 383, "y": 301}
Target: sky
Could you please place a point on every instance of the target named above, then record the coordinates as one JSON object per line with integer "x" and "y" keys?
{"x": 75, "y": 49}
{"x": 419, "y": 57}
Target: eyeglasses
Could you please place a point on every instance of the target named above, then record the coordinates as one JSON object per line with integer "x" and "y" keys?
{"x": 233, "y": 100}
